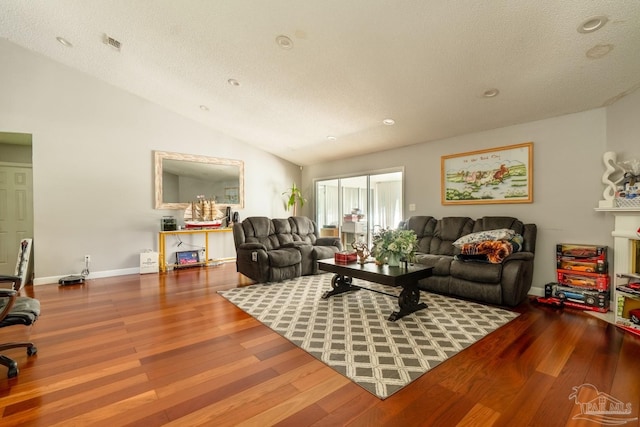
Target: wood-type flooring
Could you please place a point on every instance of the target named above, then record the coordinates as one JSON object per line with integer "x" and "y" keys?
{"x": 152, "y": 350}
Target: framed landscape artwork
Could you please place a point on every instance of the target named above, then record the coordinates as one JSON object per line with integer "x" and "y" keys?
{"x": 495, "y": 175}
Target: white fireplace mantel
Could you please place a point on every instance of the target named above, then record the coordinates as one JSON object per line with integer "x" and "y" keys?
{"x": 622, "y": 211}
{"x": 627, "y": 222}
{"x": 626, "y": 228}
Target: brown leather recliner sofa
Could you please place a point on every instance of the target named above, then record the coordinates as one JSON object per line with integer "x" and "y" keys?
{"x": 505, "y": 283}
{"x": 273, "y": 250}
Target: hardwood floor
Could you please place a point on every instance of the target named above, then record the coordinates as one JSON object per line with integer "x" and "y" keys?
{"x": 166, "y": 349}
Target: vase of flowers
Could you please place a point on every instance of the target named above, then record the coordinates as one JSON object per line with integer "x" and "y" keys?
{"x": 393, "y": 259}
{"x": 393, "y": 246}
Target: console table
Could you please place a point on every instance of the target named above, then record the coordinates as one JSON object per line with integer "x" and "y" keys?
{"x": 205, "y": 231}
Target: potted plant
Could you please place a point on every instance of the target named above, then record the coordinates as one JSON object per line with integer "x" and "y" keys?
{"x": 294, "y": 196}
{"x": 394, "y": 246}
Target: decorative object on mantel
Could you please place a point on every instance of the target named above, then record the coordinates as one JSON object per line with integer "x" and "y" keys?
{"x": 609, "y": 193}
{"x": 203, "y": 213}
{"x": 623, "y": 191}
{"x": 394, "y": 246}
{"x": 628, "y": 194}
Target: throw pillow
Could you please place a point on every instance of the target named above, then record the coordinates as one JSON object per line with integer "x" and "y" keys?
{"x": 517, "y": 242}
{"x": 481, "y": 236}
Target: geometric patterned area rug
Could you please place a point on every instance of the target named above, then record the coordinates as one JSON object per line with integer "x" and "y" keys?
{"x": 351, "y": 334}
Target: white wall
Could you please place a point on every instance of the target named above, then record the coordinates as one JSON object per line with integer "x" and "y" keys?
{"x": 567, "y": 177}
{"x": 623, "y": 127}
{"x": 93, "y": 164}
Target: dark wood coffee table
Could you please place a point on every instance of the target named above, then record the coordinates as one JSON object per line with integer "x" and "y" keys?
{"x": 406, "y": 276}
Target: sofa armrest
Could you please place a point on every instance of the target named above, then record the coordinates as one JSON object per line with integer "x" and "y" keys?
{"x": 252, "y": 246}
{"x": 517, "y": 277}
{"x": 523, "y": 256}
{"x": 329, "y": 241}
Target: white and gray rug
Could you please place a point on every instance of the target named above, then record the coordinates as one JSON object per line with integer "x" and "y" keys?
{"x": 350, "y": 332}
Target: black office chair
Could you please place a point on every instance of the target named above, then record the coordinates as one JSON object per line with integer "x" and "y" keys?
{"x": 15, "y": 310}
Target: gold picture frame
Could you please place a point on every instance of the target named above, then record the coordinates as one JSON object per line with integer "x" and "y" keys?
{"x": 495, "y": 175}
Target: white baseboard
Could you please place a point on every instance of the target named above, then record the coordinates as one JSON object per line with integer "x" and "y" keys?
{"x": 93, "y": 275}
{"x": 110, "y": 273}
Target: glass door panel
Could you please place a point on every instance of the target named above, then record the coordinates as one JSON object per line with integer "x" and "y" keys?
{"x": 354, "y": 210}
{"x": 386, "y": 206}
{"x": 327, "y": 208}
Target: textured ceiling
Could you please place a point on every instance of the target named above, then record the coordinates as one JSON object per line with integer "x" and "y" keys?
{"x": 353, "y": 63}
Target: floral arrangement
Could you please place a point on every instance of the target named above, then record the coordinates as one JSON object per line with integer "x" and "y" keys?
{"x": 401, "y": 244}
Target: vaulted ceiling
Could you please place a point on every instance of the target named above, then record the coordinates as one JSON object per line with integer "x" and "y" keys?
{"x": 312, "y": 81}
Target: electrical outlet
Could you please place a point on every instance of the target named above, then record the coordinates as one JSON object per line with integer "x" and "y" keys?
{"x": 87, "y": 258}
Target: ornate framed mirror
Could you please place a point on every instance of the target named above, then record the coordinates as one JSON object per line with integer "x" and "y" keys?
{"x": 181, "y": 178}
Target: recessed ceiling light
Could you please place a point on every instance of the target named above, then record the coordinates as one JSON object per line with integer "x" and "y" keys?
{"x": 64, "y": 42}
{"x": 491, "y": 93}
{"x": 389, "y": 122}
{"x": 592, "y": 24}
{"x": 331, "y": 138}
{"x": 284, "y": 42}
{"x": 204, "y": 108}
{"x": 233, "y": 82}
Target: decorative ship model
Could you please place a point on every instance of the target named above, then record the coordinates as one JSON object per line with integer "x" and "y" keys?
{"x": 203, "y": 213}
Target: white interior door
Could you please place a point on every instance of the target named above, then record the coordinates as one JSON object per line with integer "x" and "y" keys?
{"x": 16, "y": 212}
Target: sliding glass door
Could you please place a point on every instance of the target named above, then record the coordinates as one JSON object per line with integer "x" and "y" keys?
{"x": 386, "y": 191}
{"x": 352, "y": 208}
{"x": 355, "y": 205}
{"x": 328, "y": 208}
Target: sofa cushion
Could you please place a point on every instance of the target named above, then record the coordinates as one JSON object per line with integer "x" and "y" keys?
{"x": 303, "y": 229}
{"x": 485, "y": 235}
{"x": 476, "y": 271}
{"x": 441, "y": 263}
{"x": 282, "y": 230}
{"x": 497, "y": 222}
{"x": 284, "y": 257}
{"x": 424, "y": 227}
{"x": 447, "y": 231}
{"x": 260, "y": 230}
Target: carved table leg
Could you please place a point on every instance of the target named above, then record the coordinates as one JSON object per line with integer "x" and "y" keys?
{"x": 409, "y": 302}
{"x": 340, "y": 284}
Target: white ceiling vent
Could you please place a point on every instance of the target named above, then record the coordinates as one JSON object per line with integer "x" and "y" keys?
{"x": 110, "y": 41}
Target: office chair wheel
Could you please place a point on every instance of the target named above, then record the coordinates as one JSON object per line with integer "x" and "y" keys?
{"x": 32, "y": 350}
{"x": 13, "y": 370}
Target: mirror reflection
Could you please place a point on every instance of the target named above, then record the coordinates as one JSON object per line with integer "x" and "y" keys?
{"x": 181, "y": 178}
